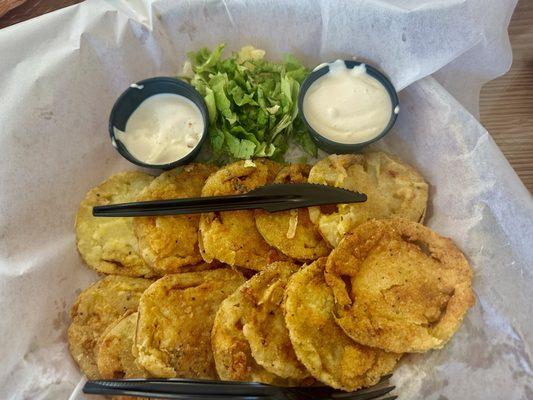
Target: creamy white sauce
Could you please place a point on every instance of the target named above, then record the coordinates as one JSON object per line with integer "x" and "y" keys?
{"x": 347, "y": 105}
{"x": 164, "y": 128}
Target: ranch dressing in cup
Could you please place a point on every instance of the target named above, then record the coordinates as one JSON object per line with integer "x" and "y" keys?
{"x": 163, "y": 128}
{"x": 348, "y": 105}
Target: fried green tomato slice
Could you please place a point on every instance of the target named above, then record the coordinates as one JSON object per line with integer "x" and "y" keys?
{"x": 399, "y": 286}
{"x": 320, "y": 344}
{"x": 176, "y": 317}
{"x": 292, "y": 231}
{"x": 231, "y": 350}
{"x": 94, "y": 310}
{"x": 393, "y": 189}
{"x": 232, "y": 236}
{"x": 169, "y": 243}
{"x": 115, "y": 357}
{"x": 264, "y": 322}
{"x": 108, "y": 245}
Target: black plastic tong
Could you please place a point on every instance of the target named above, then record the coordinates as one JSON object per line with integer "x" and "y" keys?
{"x": 277, "y": 197}
{"x": 197, "y": 389}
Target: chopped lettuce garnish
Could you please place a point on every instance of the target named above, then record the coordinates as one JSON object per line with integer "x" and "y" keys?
{"x": 252, "y": 103}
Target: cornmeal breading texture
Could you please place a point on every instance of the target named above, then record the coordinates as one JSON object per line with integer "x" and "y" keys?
{"x": 231, "y": 236}
{"x": 292, "y": 231}
{"x": 169, "y": 243}
{"x": 393, "y": 189}
{"x": 94, "y": 310}
{"x": 108, "y": 245}
{"x": 399, "y": 286}
{"x": 176, "y": 316}
{"x": 320, "y": 344}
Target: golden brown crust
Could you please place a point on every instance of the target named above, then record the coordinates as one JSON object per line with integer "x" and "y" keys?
{"x": 292, "y": 231}
{"x": 169, "y": 243}
{"x": 175, "y": 320}
{"x": 399, "y": 286}
{"x": 115, "y": 358}
{"x": 393, "y": 188}
{"x": 264, "y": 323}
{"x": 320, "y": 344}
{"x": 231, "y": 350}
{"x": 108, "y": 245}
{"x": 231, "y": 236}
{"x": 97, "y": 307}
{"x": 203, "y": 266}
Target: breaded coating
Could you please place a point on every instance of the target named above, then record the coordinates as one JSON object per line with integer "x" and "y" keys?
{"x": 399, "y": 286}
{"x": 95, "y": 309}
{"x": 394, "y": 189}
{"x": 292, "y": 231}
{"x": 169, "y": 243}
{"x": 176, "y": 316}
{"x": 231, "y": 236}
{"x": 203, "y": 266}
{"x": 107, "y": 244}
{"x": 320, "y": 344}
{"x": 115, "y": 358}
{"x": 264, "y": 323}
{"x": 231, "y": 350}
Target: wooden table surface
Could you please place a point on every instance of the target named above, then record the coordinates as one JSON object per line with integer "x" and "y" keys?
{"x": 506, "y": 103}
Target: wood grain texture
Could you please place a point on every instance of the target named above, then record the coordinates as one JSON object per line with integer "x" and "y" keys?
{"x": 506, "y": 103}
{"x": 33, "y": 8}
{"x": 6, "y": 5}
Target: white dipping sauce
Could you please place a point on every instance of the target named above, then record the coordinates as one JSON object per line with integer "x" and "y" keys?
{"x": 163, "y": 128}
{"x": 347, "y": 105}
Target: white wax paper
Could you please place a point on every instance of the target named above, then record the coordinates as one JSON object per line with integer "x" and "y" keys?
{"x": 60, "y": 74}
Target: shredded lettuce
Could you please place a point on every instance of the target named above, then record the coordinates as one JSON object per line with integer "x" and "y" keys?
{"x": 252, "y": 103}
